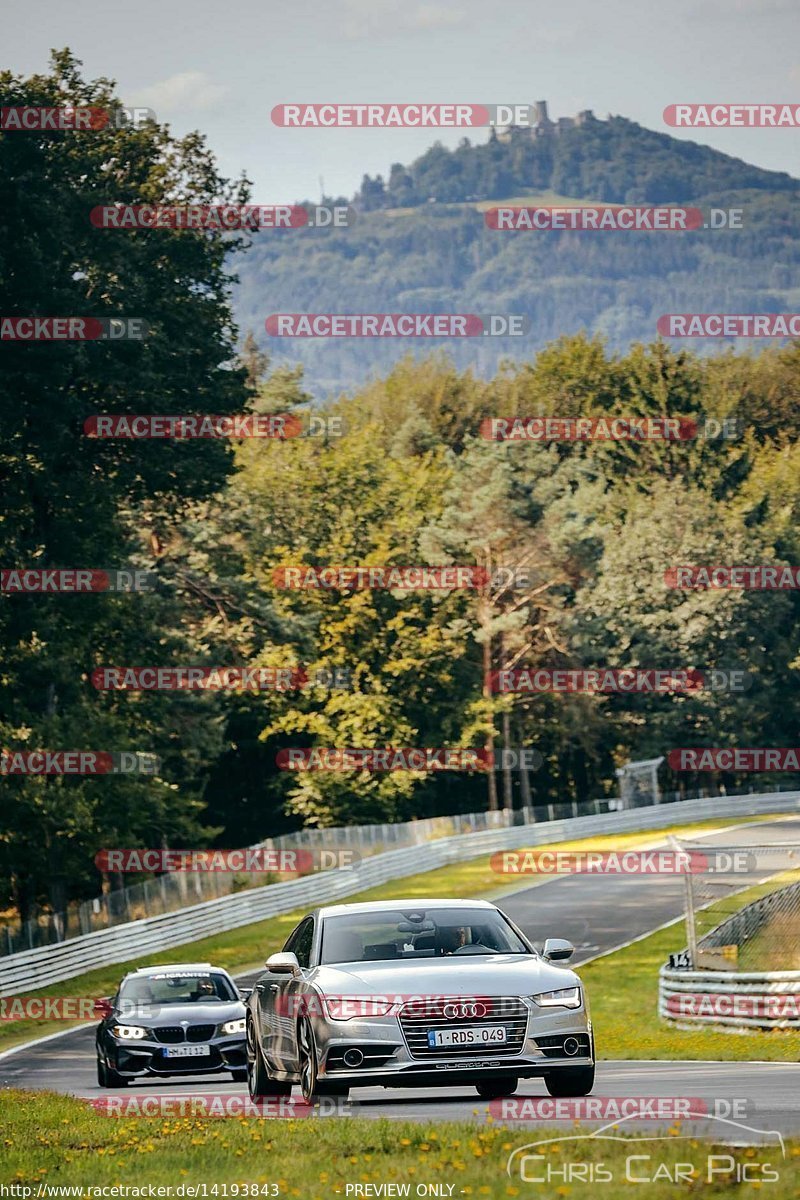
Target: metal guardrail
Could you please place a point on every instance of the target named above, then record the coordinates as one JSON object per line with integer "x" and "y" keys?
{"x": 170, "y": 892}
{"x": 742, "y": 926}
{"x": 32, "y": 969}
{"x": 741, "y": 999}
{"x": 746, "y": 1000}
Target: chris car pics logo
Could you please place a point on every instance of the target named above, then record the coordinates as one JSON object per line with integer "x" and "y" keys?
{"x": 656, "y": 1159}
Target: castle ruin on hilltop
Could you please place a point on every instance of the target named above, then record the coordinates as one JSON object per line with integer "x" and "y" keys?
{"x": 541, "y": 125}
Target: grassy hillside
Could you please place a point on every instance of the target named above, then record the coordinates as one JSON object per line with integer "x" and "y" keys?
{"x": 423, "y": 247}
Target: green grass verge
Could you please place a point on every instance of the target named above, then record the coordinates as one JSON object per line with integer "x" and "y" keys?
{"x": 623, "y": 989}
{"x": 55, "y": 1140}
{"x": 246, "y": 948}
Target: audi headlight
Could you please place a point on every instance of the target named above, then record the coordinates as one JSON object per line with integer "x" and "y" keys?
{"x": 129, "y": 1033}
{"x": 346, "y": 1008}
{"x": 562, "y": 998}
{"x": 233, "y": 1026}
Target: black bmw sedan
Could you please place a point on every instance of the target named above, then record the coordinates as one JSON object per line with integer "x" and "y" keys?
{"x": 186, "y": 1019}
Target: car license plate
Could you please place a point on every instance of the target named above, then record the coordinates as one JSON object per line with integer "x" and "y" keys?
{"x": 186, "y": 1051}
{"x": 471, "y": 1035}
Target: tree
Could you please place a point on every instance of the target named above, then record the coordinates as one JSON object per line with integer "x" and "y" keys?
{"x": 73, "y": 501}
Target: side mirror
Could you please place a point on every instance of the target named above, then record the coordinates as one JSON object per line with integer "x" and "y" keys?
{"x": 244, "y": 993}
{"x": 103, "y": 1008}
{"x": 558, "y": 950}
{"x": 283, "y": 964}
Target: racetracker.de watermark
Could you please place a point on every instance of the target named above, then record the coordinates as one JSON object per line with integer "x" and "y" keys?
{"x": 403, "y": 116}
{"x": 217, "y": 679}
{"x": 396, "y": 325}
{"x": 67, "y": 581}
{"x": 732, "y": 116}
{"x": 746, "y": 325}
{"x": 72, "y": 329}
{"x": 777, "y": 577}
{"x": 222, "y": 218}
{"x": 434, "y": 1005}
{"x": 147, "y": 426}
{"x": 504, "y": 758}
{"x": 610, "y": 218}
{"x": 734, "y": 758}
{"x": 47, "y": 1008}
{"x": 606, "y": 429}
{"x": 772, "y": 1006}
{"x": 399, "y": 578}
{"x": 216, "y": 1104}
{"x": 623, "y": 862}
{"x": 76, "y": 119}
{"x": 78, "y": 762}
{"x": 384, "y": 758}
{"x": 617, "y": 1108}
{"x": 256, "y": 860}
{"x": 610, "y": 680}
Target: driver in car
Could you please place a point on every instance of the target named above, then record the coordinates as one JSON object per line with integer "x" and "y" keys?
{"x": 451, "y": 939}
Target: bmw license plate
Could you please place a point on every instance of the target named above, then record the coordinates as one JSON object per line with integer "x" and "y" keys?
{"x": 186, "y": 1051}
{"x": 471, "y": 1035}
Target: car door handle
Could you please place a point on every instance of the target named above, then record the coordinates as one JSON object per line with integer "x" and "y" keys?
{"x": 274, "y": 987}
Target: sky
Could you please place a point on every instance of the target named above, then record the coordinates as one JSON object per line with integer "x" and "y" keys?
{"x": 221, "y": 67}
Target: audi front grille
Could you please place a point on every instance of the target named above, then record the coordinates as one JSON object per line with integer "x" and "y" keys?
{"x": 418, "y": 1019}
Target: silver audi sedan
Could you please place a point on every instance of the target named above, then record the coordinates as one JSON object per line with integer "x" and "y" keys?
{"x": 427, "y": 993}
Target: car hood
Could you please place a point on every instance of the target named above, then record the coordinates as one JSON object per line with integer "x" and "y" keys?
{"x": 500, "y": 975}
{"x": 156, "y": 1015}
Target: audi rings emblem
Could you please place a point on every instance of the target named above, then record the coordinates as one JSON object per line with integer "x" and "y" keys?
{"x": 464, "y": 1009}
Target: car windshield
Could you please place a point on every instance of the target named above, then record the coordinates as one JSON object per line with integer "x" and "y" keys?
{"x": 173, "y": 987}
{"x": 417, "y": 933}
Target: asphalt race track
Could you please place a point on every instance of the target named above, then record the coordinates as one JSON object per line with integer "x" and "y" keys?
{"x": 596, "y": 913}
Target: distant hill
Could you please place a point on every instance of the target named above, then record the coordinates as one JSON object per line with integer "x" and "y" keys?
{"x": 421, "y": 245}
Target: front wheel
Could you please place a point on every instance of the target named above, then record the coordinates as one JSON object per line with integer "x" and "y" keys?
{"x": 108, "y": 1078}
{"x": 570, "y": 1081}
{"x": 309, "y": 1064}
{"x": 259, "y": 1084}
{"x": 494, "y": 1089}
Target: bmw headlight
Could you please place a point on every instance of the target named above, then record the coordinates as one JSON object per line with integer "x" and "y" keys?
{"x": 233, "y": 1026}
{"x": 129, "y": 1033}
{"x": 562, "y": 998}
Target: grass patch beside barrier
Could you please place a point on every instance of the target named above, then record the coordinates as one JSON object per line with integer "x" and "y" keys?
{"x": 245, "y": 948}
{"x": 53, "y": 1141}
{"x": 623, "y": 992}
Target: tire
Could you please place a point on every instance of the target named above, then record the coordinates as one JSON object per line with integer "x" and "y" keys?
{"x": 494, "y": 1089}
{"x": 239, "y": 1076}
{"x": 309, "y": 1063}
{"x": 259, "y": 1084}
{"x": 108, "y": 1078}
{"x": 570, "y": 1081}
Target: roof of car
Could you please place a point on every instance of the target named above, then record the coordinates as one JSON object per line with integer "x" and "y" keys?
{"x": 414, "y": 903}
